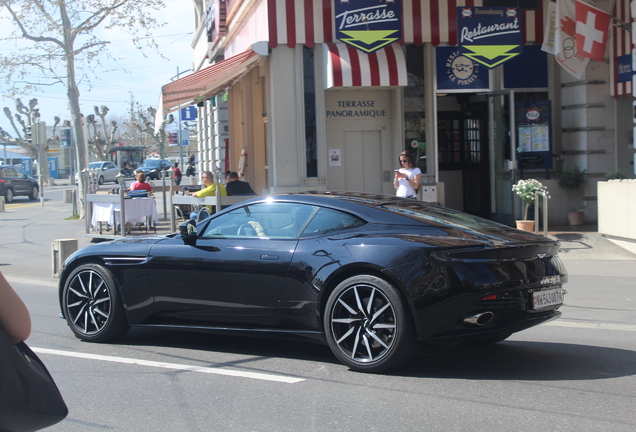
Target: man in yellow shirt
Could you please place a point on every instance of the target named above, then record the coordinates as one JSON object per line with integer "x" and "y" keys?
{"x": 210, "y": 186}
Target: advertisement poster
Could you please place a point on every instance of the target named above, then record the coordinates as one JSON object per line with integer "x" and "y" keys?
{"x": 534, "y": 146}
{"x": 334, "y": 157}
{"x": 490, "y": 35}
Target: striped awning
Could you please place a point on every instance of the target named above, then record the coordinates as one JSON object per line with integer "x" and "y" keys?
{"x": 347, "y": 66}
{"x": 310, "y": 22}
{"x": 620, "y": 44}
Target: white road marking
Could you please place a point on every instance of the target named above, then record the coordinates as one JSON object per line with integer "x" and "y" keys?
{"x": 217, "y": 371}
{"x": 591, "y": 325}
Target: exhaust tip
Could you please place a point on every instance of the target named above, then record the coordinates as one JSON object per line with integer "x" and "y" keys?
{"x": 479, "y": 319}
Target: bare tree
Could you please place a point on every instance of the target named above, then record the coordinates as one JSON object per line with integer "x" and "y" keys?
{"x": 25, "y": 117}
{"x": 103, "y": 136}
{"x": 144, "y": 123}
{"x": 58, "y": 40}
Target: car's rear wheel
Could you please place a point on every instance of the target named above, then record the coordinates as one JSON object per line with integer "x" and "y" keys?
{"x": 35, "y": 193}
{"x": 92, "y": 306}
{"x": 368, "y": 326}
{"x": 8, "y": 195}
{"x": 101, "y": 180}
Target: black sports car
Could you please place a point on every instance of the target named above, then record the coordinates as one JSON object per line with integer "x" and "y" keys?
{"x": 370, "y": 275}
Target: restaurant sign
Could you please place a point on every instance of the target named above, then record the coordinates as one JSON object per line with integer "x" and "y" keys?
{"x": 489, "y": 35}
{"x": 368, "y": 25}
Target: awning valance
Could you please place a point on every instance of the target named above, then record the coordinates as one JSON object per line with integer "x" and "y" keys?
{"x": 310, "y": 22}
{"x": 207, "y": 82}
{"x": 347, "y": 66}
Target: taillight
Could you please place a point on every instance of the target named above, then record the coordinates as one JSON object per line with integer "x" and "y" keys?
{"x": 490, "y": 297}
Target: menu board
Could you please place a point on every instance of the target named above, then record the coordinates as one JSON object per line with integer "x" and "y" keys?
{"x": 534, "y": 144}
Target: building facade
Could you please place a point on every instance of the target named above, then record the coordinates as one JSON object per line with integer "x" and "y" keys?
{"x": 293, "y": 108}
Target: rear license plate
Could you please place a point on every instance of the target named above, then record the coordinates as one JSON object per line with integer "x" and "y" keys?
{"x": 547, "y": 298}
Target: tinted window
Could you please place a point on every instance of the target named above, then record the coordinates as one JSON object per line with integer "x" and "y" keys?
{"x": 329, "y": 221}
{"x": 10, "y": 172}
{"x": 276, "y": 220}
{"x": 436, "y": 215}
{"x": 19, "y": 172}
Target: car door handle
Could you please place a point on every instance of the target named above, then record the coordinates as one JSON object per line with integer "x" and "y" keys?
{"x": 269, "y": 257}
{"x": 209, "y": 248}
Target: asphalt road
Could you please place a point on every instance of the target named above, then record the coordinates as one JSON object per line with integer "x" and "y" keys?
{"x": 574, "y": 374}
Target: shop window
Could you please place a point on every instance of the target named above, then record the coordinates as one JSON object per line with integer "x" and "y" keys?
{"x": 309, "y": 83}
{"x": 414, "y": 108}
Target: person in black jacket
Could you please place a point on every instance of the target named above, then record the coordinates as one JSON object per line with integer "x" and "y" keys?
{"x": 234, "y": 186}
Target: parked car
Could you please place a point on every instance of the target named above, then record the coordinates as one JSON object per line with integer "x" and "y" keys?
{"x": 14, "y": 182}
{"x": 369, "y": 275}
{"x": 106, "y": 172}
{"x": 153, "y": 167}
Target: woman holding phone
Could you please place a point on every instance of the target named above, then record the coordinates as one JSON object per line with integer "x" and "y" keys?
{"x": 407, "y": 179}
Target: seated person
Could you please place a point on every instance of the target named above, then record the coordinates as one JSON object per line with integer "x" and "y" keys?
{"x": 235, "y": 186}
{"x": 210, "y": 186}
{"x": 140, "y": 184}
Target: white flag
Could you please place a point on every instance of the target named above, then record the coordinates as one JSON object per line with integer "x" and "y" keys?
{"x": 564, "y": 42}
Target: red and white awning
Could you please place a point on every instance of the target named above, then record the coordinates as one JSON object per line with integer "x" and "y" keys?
{"x": 620, "y": 44}
{"x": 310, "y": 22}
{"x": 347, "y": 66}
{"x": 207, "y": 82}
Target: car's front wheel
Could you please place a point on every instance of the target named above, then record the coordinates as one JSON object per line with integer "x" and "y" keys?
{"x": 35, "y": 193}
{"x": 368, "y": 326}
{"x": 92, "y": 306}
{"x": 101, "y": 180}
{"x": 8, "y": 195}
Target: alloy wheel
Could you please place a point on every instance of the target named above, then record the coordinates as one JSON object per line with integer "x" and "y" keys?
{"x": 88, "y": 302}
{"x": 363, "y": 323}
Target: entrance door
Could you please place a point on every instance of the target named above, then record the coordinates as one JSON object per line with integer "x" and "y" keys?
{"x": 361, "y": 161}
{"x": 463, "y": 159}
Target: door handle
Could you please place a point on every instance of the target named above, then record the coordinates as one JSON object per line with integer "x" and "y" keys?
{"x": 269, "y": 257}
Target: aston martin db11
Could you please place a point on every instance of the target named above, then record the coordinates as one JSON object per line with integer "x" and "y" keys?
{"x": 372, "y": 276}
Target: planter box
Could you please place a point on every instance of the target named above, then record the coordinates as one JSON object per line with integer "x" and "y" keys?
{"x": 617, "y": 208}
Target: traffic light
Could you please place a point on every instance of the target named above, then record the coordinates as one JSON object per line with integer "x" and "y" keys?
{"x": 66, "y": 138}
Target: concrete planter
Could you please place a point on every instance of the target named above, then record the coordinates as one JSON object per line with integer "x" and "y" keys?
{"x": 525, "y": 225}
{"x": 575, "y": 218}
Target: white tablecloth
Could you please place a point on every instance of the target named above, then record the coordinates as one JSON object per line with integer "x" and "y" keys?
{"x": 137, "y": 210}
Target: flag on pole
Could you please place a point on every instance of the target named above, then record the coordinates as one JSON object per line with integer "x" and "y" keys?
{"x": 562, "y": 40}
{"x": 592, "y": 26}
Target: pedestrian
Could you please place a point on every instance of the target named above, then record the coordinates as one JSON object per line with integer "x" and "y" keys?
{"x": 177, "y": 174}
{"x": 407, "y": 178}
{"x": 14, "y": 315}
{"x": 234, "y": 186}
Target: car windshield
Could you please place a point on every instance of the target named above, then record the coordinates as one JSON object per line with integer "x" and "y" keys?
{"x": 435, "y": 214}
{"x": 151, "y": 163}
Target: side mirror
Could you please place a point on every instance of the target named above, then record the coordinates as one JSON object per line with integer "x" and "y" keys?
{"x": 188, "y": 229}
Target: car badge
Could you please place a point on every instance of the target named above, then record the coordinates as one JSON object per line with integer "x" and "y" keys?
{"x": 541, "y": 255}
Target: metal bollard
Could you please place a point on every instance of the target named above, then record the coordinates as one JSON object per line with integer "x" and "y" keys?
{"x": 60, "y": 250}
{"x": 546, "y": 197}
{"x": 1, "y": 204}
{"x": 68, "y": 196}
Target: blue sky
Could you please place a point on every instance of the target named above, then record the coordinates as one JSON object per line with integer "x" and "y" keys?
{"x": 131, "y": 75}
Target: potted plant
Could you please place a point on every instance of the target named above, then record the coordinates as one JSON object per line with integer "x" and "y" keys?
{"x": 573, "y": 180}
{"x": 526, "y": 190}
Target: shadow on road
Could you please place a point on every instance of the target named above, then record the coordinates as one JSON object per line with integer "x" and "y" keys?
{"x": 510, "y": 360}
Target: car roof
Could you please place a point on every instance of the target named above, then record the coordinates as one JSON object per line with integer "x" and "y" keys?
{"x": 366, "y": 205}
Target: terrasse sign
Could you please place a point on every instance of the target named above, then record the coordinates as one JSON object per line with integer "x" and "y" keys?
{"x": 368, "y": 25}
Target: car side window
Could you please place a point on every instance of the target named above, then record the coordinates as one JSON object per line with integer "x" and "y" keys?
{"x": 330, "y": 221}
{"x": 267, "y": 220}
{"x": 10, "y": 172}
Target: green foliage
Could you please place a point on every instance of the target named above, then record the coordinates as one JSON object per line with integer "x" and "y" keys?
{"x": 618, "y": 175}
{"x": 526, "y": 190}
{"x": 574, "y": 181}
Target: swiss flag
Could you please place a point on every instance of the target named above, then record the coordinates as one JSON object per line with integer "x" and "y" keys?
{"x": 592, "y": 25}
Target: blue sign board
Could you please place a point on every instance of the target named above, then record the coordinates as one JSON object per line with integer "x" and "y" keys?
{"x": 534, "y": 137}
{"x": 53, "y": 167}
{"x": 624, "y": 67}
{"x": 489, "y": 35}
{"x": 368, "y": 25}
{"x": 188, "y": 113}
{"x": 456, "y": 72}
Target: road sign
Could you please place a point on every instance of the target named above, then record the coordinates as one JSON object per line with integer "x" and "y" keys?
{"x": 189, "y": 113}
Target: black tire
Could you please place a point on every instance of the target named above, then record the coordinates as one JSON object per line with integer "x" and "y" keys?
{"x": 368, "y": 326}
{"x": 92, "y": 306}
{"x": 100, "y": 180}
{"x": 8, "y": 195}
{"x": 35, "y": 193}
{"x": 485, "y": 341}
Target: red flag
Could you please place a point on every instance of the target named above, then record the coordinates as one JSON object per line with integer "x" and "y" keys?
{"x": 592, "y": 25}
